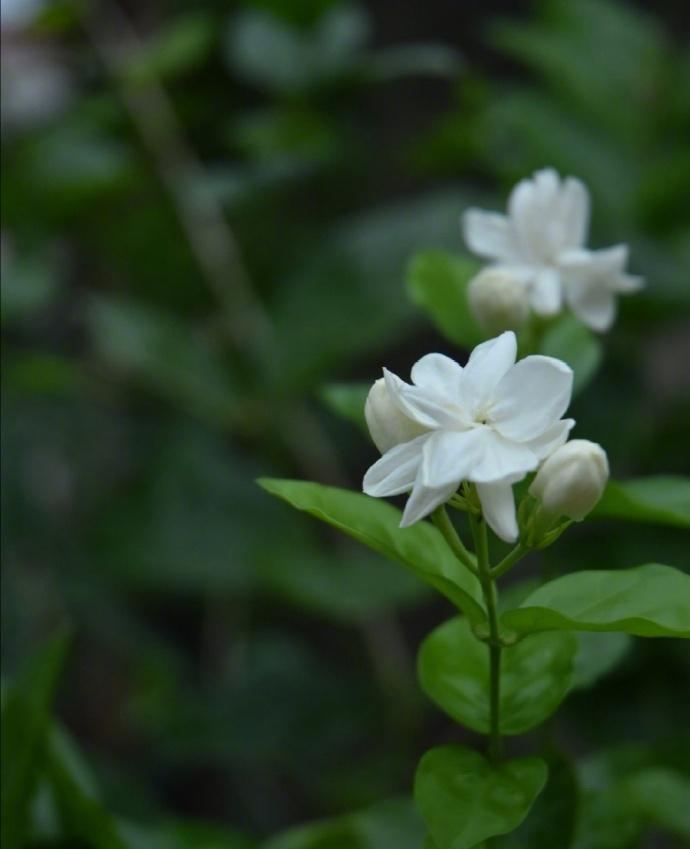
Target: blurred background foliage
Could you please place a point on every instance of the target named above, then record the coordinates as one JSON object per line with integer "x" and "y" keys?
{"x": 208, "y": 210}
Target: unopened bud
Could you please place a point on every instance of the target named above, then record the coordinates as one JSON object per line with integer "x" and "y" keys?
{"x": 498, "y": 300}
{"x": 571, "y": 481}
{"x": 387, "y": 424}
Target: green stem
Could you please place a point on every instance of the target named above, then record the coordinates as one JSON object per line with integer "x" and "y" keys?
{"x": 509, "y": 560}
{"x": 442, "y": 521}
{"x": 481, "y": 543}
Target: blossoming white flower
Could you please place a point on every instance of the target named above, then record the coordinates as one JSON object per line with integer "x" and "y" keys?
{"x": 490, "y": 423}
{"x": 498, "y": 299}
{"x": 572, "y": 479}
{"x": 542, "y": 241}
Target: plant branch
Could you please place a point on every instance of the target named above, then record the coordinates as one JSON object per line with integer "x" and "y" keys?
{"x": 442, "y": 521}
{"x": 509, "y": 560}
{"x": 481, "y": 543}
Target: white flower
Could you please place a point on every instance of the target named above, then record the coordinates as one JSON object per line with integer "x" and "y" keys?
{"x": 542, "y": 241}
{"x": 387, "y": 423}
{"x": 490, "y": 423}
{"x": 498, "y": 299}
{"x": 572, "y": 479}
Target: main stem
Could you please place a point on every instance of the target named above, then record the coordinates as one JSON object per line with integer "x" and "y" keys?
{"x": 489, "y": 589}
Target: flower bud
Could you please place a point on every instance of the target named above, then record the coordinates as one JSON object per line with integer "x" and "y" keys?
{"x": 498, "y": 299}
{"x": 571, "y": 481}
{"x": 387, "y": 424}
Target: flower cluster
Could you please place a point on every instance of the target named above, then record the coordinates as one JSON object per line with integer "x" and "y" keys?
{"x": 489, "y": 423}
{"x": 540, "y": 249}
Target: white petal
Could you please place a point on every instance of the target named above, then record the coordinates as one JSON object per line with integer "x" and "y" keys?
{"x": 413, "y": 403}
{"x": 439, "y": 374}
{"x": 602, "y": 263}
{"x": 489, "y": 234}
{"x": 574, "y": 212}
{"x": 532, "y": 396}
{"x": 424, "y": 500}
{"x": 396, "y": 471}
{"x": 546, "y": 296}
{"x": 487, "y": 364}
{"x": 449, "y": 456}
{"x": 533, "y": 207}
{"x": 501, "y": 458}
{"x": 498, "y": 507}
{"x": 595, "y": 306}
{"x": 552, "y": 438}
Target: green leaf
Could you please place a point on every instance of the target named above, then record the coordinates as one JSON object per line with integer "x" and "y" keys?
{"x": 25, "y": 725}
{"x": 412, "y": 60}
{"x": 437, "y": 282}
{"x": 453, "y": 670}
{"x": 597, "y": 654}
{"x": 569, "y": 340}
{"x": 648, "y": 601}
{"x": 420, "y": 548}
{"x": 464, "y": 800}
{"x": 347, "y": 400}
{"x": 662, "y": 500}
{"x": 82, "y": 816}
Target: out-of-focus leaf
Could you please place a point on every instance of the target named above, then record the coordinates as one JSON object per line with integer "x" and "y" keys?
{"x": 275, "y": 55}
{"x": 569, "y": 340}
{"x": 601, "y": 56}
{"x": 437, "y": 282}
{"x": 43, "y": 374}
{"x": 183, "y": 835}
{"x": 82, "y": 815}
{"x": 347, "y": 400}
{"x": 663, "y": 797}
{"x": 464, "y": 800}
{"x": 412, "y": 60}
{"x": 164, "y": 354}
{"x": 29, "y": 284}
{"x": 597, "y": 654}
{"x": 354, "y": 282}
{"x": 648, "y": 601}
{"x": 25, "y": 727}
{"x": 346, "y": 588}
{"x": 290, "y": 134}
{"x": 535, "y": 676}
{"x": 394, "y": 823}
{"x": 180, "y": 46}
{"x": 663, "y": 500}
{"x": 420, "y": 548}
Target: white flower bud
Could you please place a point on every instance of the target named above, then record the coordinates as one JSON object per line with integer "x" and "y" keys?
{"x": 571, "y": 481}
{"x": 387, "y": 424}
{"x": 498, "y": 299}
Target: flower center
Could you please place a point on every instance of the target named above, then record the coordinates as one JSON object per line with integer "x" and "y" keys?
{"x": 482, "y": 416}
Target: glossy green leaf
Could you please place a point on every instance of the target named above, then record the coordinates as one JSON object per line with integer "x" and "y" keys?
{"x": 663, "y": 500}
{"x": 648, "y": 601}
{"x": 453, "y": 670}
{"x": 464, "y": 800}
{"x": 569, "y": 340}
{"x": 437, "y": 282}
{"x": 597, "y": 654}
{"x": 347, "y": 400}
{"x": 25, "y": 727}
{"x": 420, "y": 548}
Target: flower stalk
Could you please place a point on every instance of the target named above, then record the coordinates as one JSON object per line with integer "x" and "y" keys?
{"x": 495, "y": 647}
{"x": 442, "y": 521}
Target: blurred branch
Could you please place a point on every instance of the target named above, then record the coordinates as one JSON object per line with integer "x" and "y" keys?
{"x": 201, "y": 216}
{"x": 210, "y": 236}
